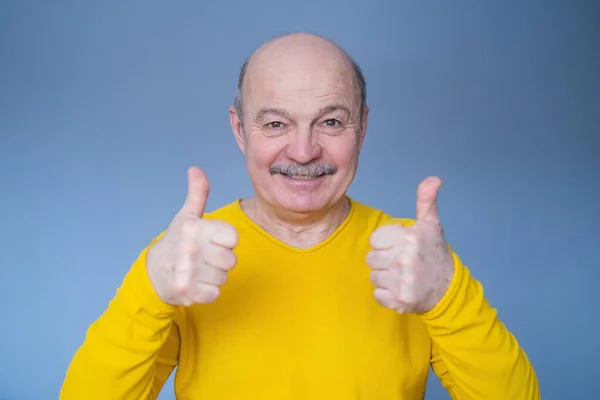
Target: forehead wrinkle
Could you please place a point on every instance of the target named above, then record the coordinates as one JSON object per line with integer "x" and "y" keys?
{"x": 285, "y": 90}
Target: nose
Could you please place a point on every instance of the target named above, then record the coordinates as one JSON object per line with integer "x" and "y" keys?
{"x": 304, "y": 146}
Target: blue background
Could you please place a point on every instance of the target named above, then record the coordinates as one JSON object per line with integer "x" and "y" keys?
{"x": 103, "y": 106}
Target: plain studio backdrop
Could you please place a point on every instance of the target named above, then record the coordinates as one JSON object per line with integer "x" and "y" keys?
{"x": 103, "y": 106}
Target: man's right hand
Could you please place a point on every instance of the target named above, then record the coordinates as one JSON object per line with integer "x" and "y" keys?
{"x": 189, "y": 263}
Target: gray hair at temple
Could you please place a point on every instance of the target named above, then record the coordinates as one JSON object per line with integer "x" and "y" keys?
{"x": 360, "y": 79}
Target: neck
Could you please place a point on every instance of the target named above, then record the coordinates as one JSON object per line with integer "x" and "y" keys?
{"x": 302, "y": 231}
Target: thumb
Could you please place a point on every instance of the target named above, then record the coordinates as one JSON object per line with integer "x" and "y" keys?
{"x": 198, "y": 188}
{"x": 427, "y": 193}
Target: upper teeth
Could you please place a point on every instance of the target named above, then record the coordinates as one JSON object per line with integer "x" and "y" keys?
{"x": 304, "y": 177}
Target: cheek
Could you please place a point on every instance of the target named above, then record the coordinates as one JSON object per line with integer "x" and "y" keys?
{"x": 342, "y": 151}
{"x": 263, "y": 153}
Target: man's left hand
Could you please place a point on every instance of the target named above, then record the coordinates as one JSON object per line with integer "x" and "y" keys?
{"x": 412, "y": 267}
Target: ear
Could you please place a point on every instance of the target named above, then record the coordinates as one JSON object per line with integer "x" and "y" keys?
{"x": 363, "y": 128}
{"x": 237, "y": 128}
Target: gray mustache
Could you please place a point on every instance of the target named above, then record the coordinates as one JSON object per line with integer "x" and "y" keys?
{"x": 303, "y": 169}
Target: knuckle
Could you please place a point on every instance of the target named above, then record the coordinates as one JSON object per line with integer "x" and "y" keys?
{"x": 208, "y": 294}
{"x": 400, "y": 298}
{"x": 232, "y": 235}
{"x": 406, "y": 299}
{"x": 412, "y": 238}
{"x": 373, "y": 240}
{"x": 382, "y": 299}
{"x": 394, "y": 231}
{"x": 222, "y": 277}
{"x": 181, "y": 282}
{"x": 376, "y": 237}
{"x": 190, "y": 247}
{"x": 231, "y": 260}
{"x": 181, "y": 288}
{"x": 223, "y": 258}
{"x": 189, "y": 227}
{"x": 405, "y": 259}
{"x": 409, "y": 279}
{"x": 373, "y": 278}
{"x": 213, "y": 276}
{"x": 204, "y": 230}
{"x": 186, "y": 302}
{"x": 371, "y": 258}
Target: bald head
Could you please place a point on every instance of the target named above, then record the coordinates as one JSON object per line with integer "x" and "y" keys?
{"x": 299, "y": 58}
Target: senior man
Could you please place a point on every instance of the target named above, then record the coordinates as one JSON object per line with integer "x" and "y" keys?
{"x": 330, "y": 298}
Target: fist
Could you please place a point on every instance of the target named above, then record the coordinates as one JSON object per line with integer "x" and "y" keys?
{"x": 412, "y": 267}
{"x": 191, "y": 261}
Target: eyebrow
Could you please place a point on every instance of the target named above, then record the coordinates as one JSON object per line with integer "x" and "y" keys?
{"x": 333, "y": 108}
{"x": 282, "y": 113}
{"x": 275, "y": 111}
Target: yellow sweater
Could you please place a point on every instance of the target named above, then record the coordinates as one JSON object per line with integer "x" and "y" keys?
{"x": 298, "y": 324}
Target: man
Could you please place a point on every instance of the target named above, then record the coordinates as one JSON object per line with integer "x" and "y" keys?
{"x": 329, "y": 298}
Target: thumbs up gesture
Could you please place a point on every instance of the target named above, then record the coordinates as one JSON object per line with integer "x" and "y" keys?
{"x": 190, "y": 262}
{"x": 412, "y": 267}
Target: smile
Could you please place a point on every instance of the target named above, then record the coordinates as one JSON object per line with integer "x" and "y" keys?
{"x": 304, "y": 177}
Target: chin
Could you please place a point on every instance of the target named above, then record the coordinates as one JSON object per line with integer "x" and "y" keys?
{"x": 302, "y": 196}
{"x": 301, "y": 203}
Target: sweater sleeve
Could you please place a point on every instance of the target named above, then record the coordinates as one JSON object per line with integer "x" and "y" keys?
{"x": 473, "y": 353}
{"x": 130, "y": 351}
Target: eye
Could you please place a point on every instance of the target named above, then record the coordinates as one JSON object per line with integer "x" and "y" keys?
{"x": 275, "y": 124}
{"x": 331, "y": 123}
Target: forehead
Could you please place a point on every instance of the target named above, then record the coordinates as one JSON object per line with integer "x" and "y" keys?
{"x": 305, "y": 78}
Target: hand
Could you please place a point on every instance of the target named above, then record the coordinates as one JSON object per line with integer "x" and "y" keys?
{"x": 190, "y": 262}
{"x": 412, "y": 267}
